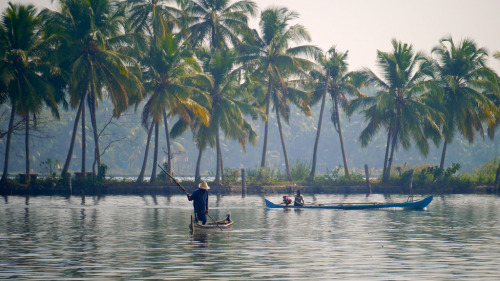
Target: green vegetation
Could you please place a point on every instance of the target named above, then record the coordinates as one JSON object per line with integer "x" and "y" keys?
{"x": 199, "y": 66}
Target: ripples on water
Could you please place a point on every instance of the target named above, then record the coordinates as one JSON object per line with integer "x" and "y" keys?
{"x": 145, "y": 238}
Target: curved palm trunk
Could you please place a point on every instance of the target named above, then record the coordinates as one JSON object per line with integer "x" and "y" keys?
{"x": 197, "y": 175}
{"x": 389, "y": 165}
{"x": 84, "y": 142}
{"x": 266, "y": 127}
{"x": 7, "y": 145}
{"x": 27, "y": 144}
{"x": 93, "y": 119}
{"x": 73, "y": 137}
{"x": 387, "y": 145}
{"x": 318, "y": 131}
{"x": 287, "y": 164}
{"x": 339, "y": 131}
{"x": 169, "y": 150}
{"x": 155, "y": 155}
{"x": 145, "y": 161}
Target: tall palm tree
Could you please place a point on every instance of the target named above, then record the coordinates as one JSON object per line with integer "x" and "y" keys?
{"x": 399, "y": 104}
{"x": 171, "y": 77}
{"x": 340, "y": 83}
{"x": 277, "y": 62}
{"x": 220, "y": 22}
{"x": 230, "y": 101}
{"x": 22, "y": 65}
{"x": 84, "y": 33}
{"x": 465, "y": 82}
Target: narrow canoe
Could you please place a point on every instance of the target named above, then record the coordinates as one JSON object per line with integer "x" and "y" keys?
{"x": 197, "y": 226}
{"x": 357, "y": 206}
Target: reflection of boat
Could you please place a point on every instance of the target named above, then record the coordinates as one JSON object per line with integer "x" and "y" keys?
{"x": 356, "y": 206}
{"x": 196, "y": 226}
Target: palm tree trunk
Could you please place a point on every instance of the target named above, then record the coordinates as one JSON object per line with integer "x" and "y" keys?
{"x": 93, "y": 118}
{"x": 197, "y": 175}
{"x": 287, "y": 164}
{"x": 27, "y": 144}
{"x": 145, "y": 161}
{"x": 339, "y": 131}
{"x": 217, "y": 169}
{"x": 7, "y": 145}
{"x": 393, "y": 148}
{"x": 73, "y": 137}
{"x": 84, "y": 142}
{"x": 266, "y": 127}
{"x": 443, "y": 154}
{"x": 387, "y": 145}
{"x": 169, "y": 150}
{"x": 318, "y": 131}
{"x": 155, "y": 156}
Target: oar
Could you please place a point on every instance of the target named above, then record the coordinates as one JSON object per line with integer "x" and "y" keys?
{"x": 187, "y": 193}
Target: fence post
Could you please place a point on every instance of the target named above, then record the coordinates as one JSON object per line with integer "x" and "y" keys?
{"x": 243, "y": 183}
{"x": 368, "y": 185}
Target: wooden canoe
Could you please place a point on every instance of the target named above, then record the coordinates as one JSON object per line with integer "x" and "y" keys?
{"x": 421, "y": 204}
{"x": 196, "y": 226}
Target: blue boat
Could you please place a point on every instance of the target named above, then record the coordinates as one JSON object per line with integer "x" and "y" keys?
{"x": 418, "y": 205}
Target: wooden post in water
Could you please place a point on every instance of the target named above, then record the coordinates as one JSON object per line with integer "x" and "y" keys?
{"x": 410, "y": 185}
{"x": 243, "y": 183}
{"x": 368, "y": 185}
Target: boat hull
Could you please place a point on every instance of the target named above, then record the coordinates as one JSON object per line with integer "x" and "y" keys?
{"x": 196, "y": 226}
{"x": 357, "y": 206}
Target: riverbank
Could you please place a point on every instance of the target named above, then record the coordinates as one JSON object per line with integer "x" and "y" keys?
{"x": 49, "y": 188}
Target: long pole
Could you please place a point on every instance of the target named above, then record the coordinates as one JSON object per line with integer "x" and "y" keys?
{"x": 187, "y": 193}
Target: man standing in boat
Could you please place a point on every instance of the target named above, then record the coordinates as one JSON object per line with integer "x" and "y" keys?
{"x": 299, "y": 199}
{"x": 200, "y": 202}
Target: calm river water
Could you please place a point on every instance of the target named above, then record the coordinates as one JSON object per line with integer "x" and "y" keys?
{"x": 144, "y": 238}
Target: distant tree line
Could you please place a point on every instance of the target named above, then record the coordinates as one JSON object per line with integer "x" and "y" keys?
{"x": 199, "y": 61}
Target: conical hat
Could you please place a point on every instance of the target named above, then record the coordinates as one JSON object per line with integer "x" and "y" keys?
{"x": 204, "y": 185}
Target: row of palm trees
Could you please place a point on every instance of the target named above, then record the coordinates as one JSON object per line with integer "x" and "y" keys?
{"x": 200, "y": 62}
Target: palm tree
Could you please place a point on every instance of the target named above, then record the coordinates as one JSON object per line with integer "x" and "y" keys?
{"x": 340, "y": 82}
{"x": 171, "y": 77}
{"x": 399, "y": 104}
{"x": 84, "y": 33}
{"x": 230, "y": 101}
{"x": 277, "y": 62}
{"x": 22, "y": 66}
{"x": 220, "y": 22}
{"x": 465, "y": 82}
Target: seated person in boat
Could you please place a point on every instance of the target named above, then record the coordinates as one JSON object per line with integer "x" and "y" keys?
{"x": 200, "y": 202}
{"x": 299, "y": 199}
{"x": 287, "y": 200}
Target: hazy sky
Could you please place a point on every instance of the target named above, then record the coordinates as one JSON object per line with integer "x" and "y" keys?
{"x": 365, "y": 26}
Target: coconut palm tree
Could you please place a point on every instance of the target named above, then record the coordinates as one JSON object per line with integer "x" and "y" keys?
{"x": 277, "y": 62}
{"x": 465, "y": 82}
{"x": 220, "y": 22}
{"x": 85, "y": 34}
{"x": 399, "y": 104}
{"x": 171, "y": 77}
{"x": 340, "y": 83}
{"x": 22, "y": 68}
{"x": 230, "y": 101}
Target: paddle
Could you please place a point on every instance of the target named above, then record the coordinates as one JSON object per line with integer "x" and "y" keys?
{"x": 186, "y": 193}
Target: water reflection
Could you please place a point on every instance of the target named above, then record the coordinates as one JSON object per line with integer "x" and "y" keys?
{"x": 139, "y": 238}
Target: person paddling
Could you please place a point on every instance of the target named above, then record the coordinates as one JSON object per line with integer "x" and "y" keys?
{"x": 299, "y": 199}
{"x": 200, "y": 202}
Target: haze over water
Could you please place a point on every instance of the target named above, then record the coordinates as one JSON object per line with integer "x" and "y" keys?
{"x": 141, "y": 238}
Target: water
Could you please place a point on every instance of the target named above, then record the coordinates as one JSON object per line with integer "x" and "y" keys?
{"x": 145, "y": 238}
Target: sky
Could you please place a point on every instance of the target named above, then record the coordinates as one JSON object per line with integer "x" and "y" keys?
{"x": 364, "y": 26}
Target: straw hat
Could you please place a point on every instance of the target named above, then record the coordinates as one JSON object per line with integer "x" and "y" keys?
{"x": 204, "y": 185}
